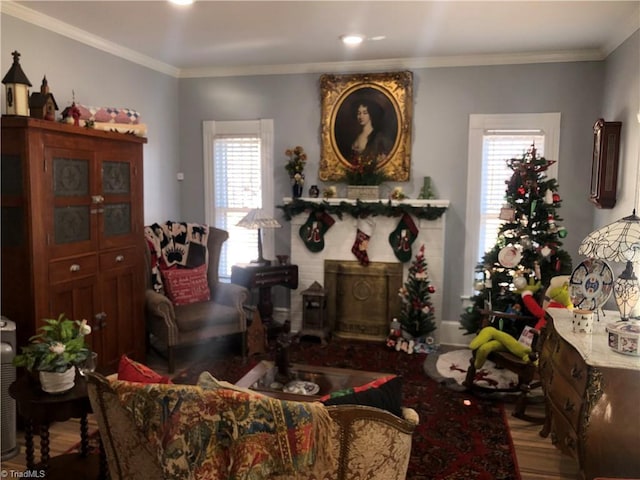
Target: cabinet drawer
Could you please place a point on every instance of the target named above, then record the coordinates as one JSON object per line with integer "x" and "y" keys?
{"x": 563, "y": 435}
{"x": 569, "y": 362}
{"x": 123, "y": 257}
{"x": 71, "y": 269}
{"x": 565, "y": 399}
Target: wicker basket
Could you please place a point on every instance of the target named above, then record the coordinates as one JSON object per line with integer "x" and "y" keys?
{"x": 363, "y": 192}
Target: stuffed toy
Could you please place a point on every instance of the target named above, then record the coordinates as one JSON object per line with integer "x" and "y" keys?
{"x": 556, "y": 296}
{"x": 491, "y": 339}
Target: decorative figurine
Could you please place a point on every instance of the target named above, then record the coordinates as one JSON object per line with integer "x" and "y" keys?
{"x": 42, "y": 104}
{"x": 16, "y": 86}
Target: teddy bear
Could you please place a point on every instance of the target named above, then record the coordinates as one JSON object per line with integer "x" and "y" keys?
{"x": 490, "y": 339}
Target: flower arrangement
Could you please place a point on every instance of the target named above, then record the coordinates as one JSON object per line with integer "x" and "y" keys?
{"x": 295, "y": 164}
{"x": 59, "y": 346}
{"x": 365, "y": 172}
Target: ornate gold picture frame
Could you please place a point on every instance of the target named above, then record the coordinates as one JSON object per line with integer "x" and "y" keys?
{"x": 384, "y": 100}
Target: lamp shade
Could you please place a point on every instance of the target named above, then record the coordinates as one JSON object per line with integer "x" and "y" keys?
{"x": 617, "y": 242}
{"x": 258, "y": 218}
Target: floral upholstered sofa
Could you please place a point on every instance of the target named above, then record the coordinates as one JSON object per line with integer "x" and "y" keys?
{"x": 215, "y": 430}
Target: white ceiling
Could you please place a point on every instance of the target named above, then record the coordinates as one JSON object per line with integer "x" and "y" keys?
{"x": 262, "y": 37}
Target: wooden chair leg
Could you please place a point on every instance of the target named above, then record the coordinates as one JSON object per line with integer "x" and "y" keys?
{"x": 471, "y": 374}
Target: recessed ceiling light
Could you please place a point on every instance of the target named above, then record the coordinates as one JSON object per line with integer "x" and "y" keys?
{"x": 181, "y": 2}
{"x": 352, "y": 39}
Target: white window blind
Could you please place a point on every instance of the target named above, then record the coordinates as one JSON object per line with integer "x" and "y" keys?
{"x": 496, "y": 150}
{"x": 238, "y": 166}
{"x": 237, "y": 190}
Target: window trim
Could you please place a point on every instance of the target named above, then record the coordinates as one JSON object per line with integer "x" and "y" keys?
{"x": 262, "y": 128}
{"x": 479, "y": 124}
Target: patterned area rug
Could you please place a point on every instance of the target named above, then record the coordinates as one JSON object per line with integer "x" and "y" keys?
{"x": 460, "y": 437}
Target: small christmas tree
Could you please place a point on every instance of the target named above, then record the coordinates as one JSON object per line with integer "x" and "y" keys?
{"x": 417, "y": 314}
{"x": 527, "y": 249}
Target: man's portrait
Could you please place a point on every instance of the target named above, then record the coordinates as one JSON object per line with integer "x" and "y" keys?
{"x": 366, "y": 118}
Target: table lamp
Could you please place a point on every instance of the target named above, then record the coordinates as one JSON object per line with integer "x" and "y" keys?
{"x": 618, "y": 242}
{"x": 258, "y": 219}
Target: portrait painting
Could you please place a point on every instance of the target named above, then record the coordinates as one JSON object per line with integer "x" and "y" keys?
{"x": 366, "y": 118}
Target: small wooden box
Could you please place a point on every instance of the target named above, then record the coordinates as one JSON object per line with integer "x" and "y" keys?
{"x": 363, "y": 192}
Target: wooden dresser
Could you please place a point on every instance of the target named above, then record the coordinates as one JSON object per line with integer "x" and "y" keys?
{"x": 72, "y": 232}
{"x": 593, "y": 398}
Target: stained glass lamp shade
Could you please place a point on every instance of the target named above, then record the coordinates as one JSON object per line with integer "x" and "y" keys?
{"x": 257, "y": 219}
{"x": 618, "y": 242}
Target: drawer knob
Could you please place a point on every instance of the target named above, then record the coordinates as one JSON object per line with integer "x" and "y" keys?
{"x": 119, "y": 258}
{"x": 74, "y": 268}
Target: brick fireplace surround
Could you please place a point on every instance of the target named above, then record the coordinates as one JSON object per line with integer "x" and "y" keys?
{"x": 340, "y": 238}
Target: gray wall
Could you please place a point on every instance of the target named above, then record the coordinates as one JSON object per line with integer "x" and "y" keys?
{"x": 443, "y": 100}
{"x": 100, "y": 79}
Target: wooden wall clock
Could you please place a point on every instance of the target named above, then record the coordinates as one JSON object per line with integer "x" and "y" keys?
{"x": 604, "y": 167}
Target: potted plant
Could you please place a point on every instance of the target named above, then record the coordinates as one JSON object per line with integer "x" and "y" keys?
{"x": 55, "y": 352}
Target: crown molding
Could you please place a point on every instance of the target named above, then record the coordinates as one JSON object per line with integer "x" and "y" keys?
{"x": 625, "y": 30}
{"x": 397, "y": 63}
{"x": 82, "y": 36}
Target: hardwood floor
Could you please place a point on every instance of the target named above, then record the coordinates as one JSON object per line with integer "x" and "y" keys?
{"x": 538, "y": 459}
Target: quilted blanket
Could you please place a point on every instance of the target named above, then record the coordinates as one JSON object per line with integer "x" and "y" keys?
{"x": 175, "y": 245}
{"x": 225, "y": 433}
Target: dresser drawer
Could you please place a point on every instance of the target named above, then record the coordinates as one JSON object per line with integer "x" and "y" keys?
{"x": 563, "y": 435}
{"x": 124, "y": 257}
{"x": 71, "y": 269}
{"x": 567, "y": 360}
{"x": 564, "y": 398}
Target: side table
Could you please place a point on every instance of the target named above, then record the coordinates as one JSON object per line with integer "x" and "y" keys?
{"x": 264, "y": 277}
{"x": 40, "y": 409}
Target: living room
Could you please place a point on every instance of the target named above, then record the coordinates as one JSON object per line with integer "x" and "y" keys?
{"x": 583, "y": 87}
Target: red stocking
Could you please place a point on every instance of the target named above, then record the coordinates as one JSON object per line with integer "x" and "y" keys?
{"x": 359, "y": 249}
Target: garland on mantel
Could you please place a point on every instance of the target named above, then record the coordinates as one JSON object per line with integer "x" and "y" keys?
{"x": 361, "y": 209}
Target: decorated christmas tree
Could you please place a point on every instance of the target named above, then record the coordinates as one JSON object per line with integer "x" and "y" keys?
{"x": 417, "y": 315}
{"x": 527, "y": 249}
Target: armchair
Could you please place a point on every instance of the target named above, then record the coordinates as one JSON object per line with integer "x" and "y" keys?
{"x": 182, "y": 324}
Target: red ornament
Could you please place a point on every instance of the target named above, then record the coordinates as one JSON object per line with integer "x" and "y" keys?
{"x": 431, "y": 289}
{"x": 521, "y": 190}
{"x": 556, "y": 197}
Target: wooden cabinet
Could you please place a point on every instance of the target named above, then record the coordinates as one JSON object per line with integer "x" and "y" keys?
{"x": 72, "y": 232}
{"x": 592, "y": 396}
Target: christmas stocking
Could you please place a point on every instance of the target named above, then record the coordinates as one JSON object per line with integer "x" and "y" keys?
{"x": 402, "y": 237}
{"x": 313, "y": 230}
{"x": 366, "y": 226}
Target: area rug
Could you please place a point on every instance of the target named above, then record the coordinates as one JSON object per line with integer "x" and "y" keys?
{"x": 460, "y": 437}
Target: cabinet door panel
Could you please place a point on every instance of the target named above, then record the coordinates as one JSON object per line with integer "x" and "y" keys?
{"x": 72, "y": 199}
{"x": 121, "y": 186}
{"x": 122, "y": 296}
{"x": 78, "y": 300}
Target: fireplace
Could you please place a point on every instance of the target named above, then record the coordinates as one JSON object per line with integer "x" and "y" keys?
{"x": 361, "y": 301}
{"x": 338, "y": 242}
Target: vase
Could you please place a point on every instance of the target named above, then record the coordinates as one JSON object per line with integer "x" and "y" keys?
{"x": 297, "y": 190}
{"x": 58, "y": 382}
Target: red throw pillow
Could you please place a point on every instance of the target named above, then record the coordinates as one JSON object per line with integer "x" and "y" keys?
{"x": 186, "y": 285}
{"x": 132, "y": 371}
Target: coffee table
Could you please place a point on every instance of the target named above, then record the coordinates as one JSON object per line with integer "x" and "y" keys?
{"x": 262, "y": 377}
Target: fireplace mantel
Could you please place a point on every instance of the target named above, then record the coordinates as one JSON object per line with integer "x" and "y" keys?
{"x": 340, "y": 238}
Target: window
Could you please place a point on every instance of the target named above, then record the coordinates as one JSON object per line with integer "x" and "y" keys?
{"x": 238, "y": 168}
{"x": 493, "y": 139}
